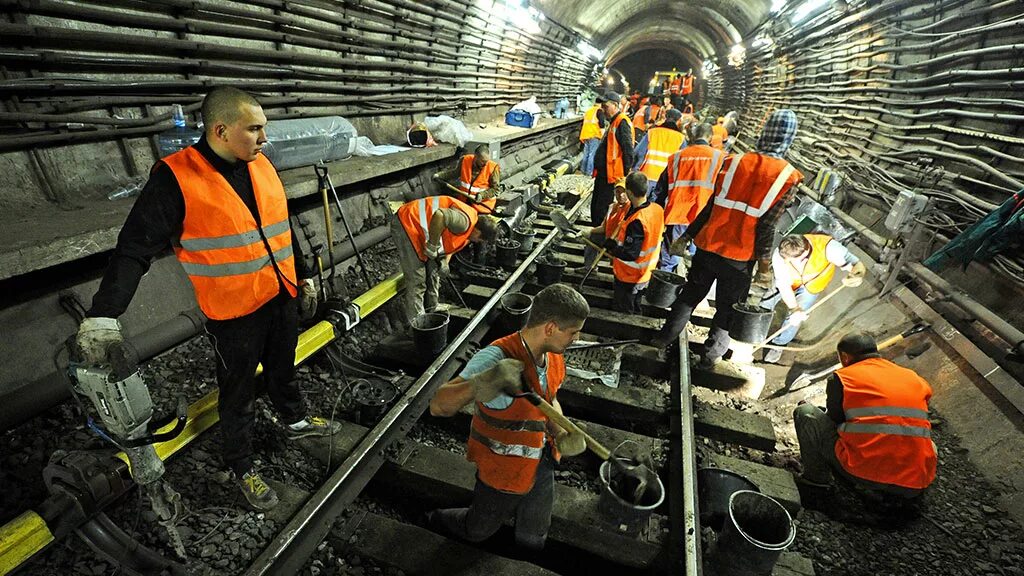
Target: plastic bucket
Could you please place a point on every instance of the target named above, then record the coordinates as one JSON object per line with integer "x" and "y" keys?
{"x": 714, "y": 488}
{"x": 756, "y": 532}
{"x": 549, "y": 271}
{"x": 430, "y": 333}
{"x": 526, "y": 239}
{"x": 373, "y": 397}
{"x": 663, "y": 288}
{"x": 628, "y": 517}
{"x": 750, "y": 323}
{"x": 515, "y": 309}
{"x": 506, "y": 252}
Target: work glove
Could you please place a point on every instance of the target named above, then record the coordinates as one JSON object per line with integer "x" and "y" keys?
{"x": 763, "y": 277}
{"x": 855, "y": 277}
{"x": 680, "y": 246}
{"x": 504, "y": 378}
{"x": 443, "y": 269}
{"x": 487, "y": 194}
{"x": 432, "y": 250}
{"x": 796, "y": 316}
{"x": 609, "y": 244}
{"x": 570, "y": 443}
{"x": 437, "y": 178}
{"x": 308, "y": 299}
{"x": 95, "y": 337}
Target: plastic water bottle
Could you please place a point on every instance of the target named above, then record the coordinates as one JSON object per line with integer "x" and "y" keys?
{"x": 179, "y": 137}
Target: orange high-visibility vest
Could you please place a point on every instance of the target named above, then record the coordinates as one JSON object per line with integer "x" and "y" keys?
{"x": 747, "y": 187}
{"x": 613, "y": 156}
{"x": 616, "y": 212}
{"x": 687, "y": 85}
{"x": 691, "y": 181}
{"x": 415, "y": 218}
{"x": 655, "y": 112}
{"x": 661, "y": 143}
{"x": 221, "y": 247}
{"x": 591, "y": 127}
{"x": 507, "y": 445}
{"x": 639, "y": 122}
{"x": 887, "y": 436}
{"x": 652, "y": 218}
{"x": 676, "y": 85}
{"x": 718, "y": 136}
{"x": 818, "y": 271}
{"x": 481, "y": 184}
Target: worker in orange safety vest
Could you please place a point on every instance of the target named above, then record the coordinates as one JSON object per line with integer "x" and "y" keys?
{"x": 636, "y": 246}
{"x": 614, "y": 157}
{"x": 513, "y": 444}
{"x": 594, "y": 122}
{"x": 875, "y": 431}
{"x": 736, "y": 228}
{"x": 653, "y": 150}
{"x": 719, "y": 134}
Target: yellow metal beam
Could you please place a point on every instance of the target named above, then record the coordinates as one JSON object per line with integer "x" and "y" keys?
{"x": 22, "y": 538}
{"x": 378, "y": 295}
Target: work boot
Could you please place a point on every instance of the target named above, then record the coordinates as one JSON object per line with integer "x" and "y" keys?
{"x": 257, "y": 493}
{"x": 312, "y": 426}
{"x": 706, "y": 363}
{"x": 772, "y": 356}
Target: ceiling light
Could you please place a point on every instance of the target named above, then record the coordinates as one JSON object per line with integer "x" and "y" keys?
{"x": 777, "y": 5}
{"x": 806, "y": 9}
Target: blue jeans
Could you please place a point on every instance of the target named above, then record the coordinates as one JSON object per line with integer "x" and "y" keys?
{"x": 804, "y": 299}
{"x": 667, "y": 262}
{"x": 589, "y": 149}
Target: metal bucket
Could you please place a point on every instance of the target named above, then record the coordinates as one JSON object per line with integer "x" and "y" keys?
{"x": 627, "y": 517}
{"x": 758, "y": 529}
{"x": 373, "y": 397}
{"x": 549, "y": 271}
{"x": 663, "y": 288}
{"x": 526, "y": 238}
{"x": 506, "y": 252}
{"x": 750, "y": 323}
{"x": 515, "y": 309}
{"x": 430, "y": 333}
{"x": 714, "y": 488}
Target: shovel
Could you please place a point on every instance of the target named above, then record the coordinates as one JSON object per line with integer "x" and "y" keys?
{"x": 634, "y": 476}
{"x": 602, "y": 344}
{"x": 563, "y": 224}
{"x": 785, "y": 325}
{"x": 476, "y": 204}
{"x": 806, "y": 379}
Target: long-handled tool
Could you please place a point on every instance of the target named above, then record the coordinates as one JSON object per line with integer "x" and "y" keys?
{"x": 563, "y": 224}
{"x": 328, "y": 227}
{"x": 807, "y": 312}
{"x": 806, "y": 379}
{"x": 322, "y": 169}
{"x": 602, "y": 344}
{"x": 477, "y": 204}
{"x": 634, "y": 477}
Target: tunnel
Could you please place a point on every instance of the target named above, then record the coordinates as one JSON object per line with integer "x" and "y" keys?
{"x": 391, "y": 188}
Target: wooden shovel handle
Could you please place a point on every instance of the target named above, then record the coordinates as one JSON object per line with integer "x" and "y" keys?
{"x": 558, "y": 418}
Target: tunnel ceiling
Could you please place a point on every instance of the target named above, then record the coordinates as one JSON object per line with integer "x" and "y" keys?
{"x": 692, "y": 29}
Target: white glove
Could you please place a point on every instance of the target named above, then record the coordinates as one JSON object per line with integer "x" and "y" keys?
{"x": 308, "y": 299}
{"x": 796, "y": 316}
{"x": 504, "y": 378}
{"x": 95, "y": 337}
{"x": 855, "y": 277}
{"x": 432, "y": 250}
{"x": 570, "y": 444}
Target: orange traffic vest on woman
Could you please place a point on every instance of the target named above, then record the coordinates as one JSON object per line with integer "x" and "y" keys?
{"x": 718, "y": 136}
{"x": 507, "y": 445}
{"x": 818, "y": 271}
{"x": 747, "y": 187}
{"x": 639, "y": 123}
{"x": 221, "y": 246}
{"x": 415, "y": 218}
{"x": 591, "y": 127}
{"x": 687, "y": 85}
{"x": 661, "y": 143}
{"x": 652, "y": 218}
{"x": 482, "y": 182}
{"x": 887, "y": 436}
{"x": 691, "y": 181}
{"x": 613, "y": 156}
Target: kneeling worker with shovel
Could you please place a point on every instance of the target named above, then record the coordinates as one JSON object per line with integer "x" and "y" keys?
{"x": 514, "y": 444}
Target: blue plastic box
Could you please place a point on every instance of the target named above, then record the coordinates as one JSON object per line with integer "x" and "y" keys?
{"x": 521, "y": 118}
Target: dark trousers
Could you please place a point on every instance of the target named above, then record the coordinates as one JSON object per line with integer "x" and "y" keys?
{"x": 267, "y": 336}
{"x": 627, "y": 297}
{"x": 733, "y": 279}
{"x": 491, "y": 508}
{"x": 601, "y": 199}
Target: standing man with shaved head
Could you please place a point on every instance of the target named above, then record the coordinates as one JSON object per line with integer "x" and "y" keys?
{"x": 222, "y": 206}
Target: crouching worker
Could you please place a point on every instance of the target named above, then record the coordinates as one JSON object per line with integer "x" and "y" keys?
{"x": 876, "y": 432}
{"x": 636, "y": 246}
{"x": 513, "y": 444}
{"x": 427, "y": 232}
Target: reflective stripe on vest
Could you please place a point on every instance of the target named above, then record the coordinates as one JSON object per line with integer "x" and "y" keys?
{"x": 507, "y": 449}
{"x": 723, "y": 200}
{"x": 235, "y": 265}
{"x": 652, "y": 218}
{"x": 613, "y": 155}
{"x": 687, "y": 196}
{"x": 415, "y": 219}
{"x": 661, "y": 144}
{"x": 483, "y": 179}
{"x": 591, "y": 127}
{"x": 887, "y": 435}
{"x": 687, "y": 85}
{"x": 817, "y": 272}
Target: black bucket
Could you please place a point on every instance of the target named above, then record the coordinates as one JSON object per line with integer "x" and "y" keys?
{"x": 625, "y": 515}
{"x": 515, "y": 309}
{"x": 430, "y": 333}
{"x": 373, "y": 398}
{"x": 506, "y": 252}
{"x": 756, "y": 532}
{"x": 663, "y": 288}
{"x": 549, "y": 271}
{"x": 714, "y": 488}
{"x": 525, "y": 238}
{"x": 750, "y": 323}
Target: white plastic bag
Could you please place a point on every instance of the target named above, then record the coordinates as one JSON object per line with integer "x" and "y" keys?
{"x": 447, "y": 129}
{"x": 530, "y": 106}
{"x": 364, "y": 146}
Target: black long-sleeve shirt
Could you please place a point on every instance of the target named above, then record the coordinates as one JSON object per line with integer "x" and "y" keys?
{"x": 834, "y": 399}
{"x": 155, "y": 220}
{"x": 624, "y": 136}
{"x": 633, "y": 243}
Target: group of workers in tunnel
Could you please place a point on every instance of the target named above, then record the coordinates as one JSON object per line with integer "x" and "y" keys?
{"x": 222, "y": 207}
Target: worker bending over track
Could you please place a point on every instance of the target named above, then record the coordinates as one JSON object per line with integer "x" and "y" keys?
{"x": 513, "y": 444}
{"x": 479, "y": 178}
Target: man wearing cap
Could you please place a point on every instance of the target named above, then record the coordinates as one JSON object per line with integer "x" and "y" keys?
{"x": 613, "y": 158}
{"x": 736, "y": 228}
{"x": 656, "y": 146}
{"x": 875, "y": 431}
